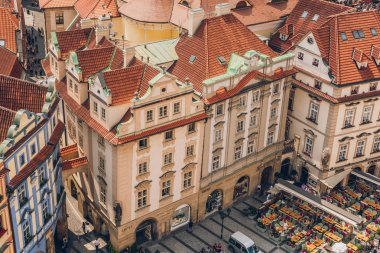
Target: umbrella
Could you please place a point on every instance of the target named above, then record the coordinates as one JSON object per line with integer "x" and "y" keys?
{"x": 339, "y": 247}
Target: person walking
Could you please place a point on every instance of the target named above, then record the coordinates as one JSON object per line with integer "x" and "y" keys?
{"x": 190, "y": 228}
{"x": 84, "y": 227}
{"x": 97, "y": 243}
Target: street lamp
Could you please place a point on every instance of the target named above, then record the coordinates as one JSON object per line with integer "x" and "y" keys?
{"x": 223, "y": 215}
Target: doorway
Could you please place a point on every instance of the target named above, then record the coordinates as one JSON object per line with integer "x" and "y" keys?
{"x": 145, "y": 232}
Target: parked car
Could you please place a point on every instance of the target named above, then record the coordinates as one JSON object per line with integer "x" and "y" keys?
{"x": 239, "y": 242}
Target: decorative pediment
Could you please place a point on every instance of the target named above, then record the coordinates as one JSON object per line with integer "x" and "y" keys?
{"x": 377, "y": 131}
{"x": 310, "y": 132}
{"x": 241, "y": 114}
{"x": 352, "y": 103}
{"x": 363, "y": 135}
{"x": 217, "y": 150}
{"x": 189, "y": 165}
{"x": 275, "y": 101}
{"x": 273, "y": 125}
{"x": 167, "y": 175}
{"x": 346, "y": 138}
{"x": 255, "y": 109}
{"x": 252, "y": 134}
{"x": 143, "y": 184}
{"x": 220, "y": 123}
{"x": 315, "y": 98}
{"x": 371, "y": 100}
{"x": 239, "y": 140}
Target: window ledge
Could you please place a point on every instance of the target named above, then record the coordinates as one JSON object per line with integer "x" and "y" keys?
{"x": 307, "y": 154}
{"x": 375, "y": 152}
{"x": 347, "y": 127}
{"x": 311, "y": 120}
{"x": 188, "y": 189}
{"x": 365, "y": 123}
{"x": 340, "y": 161}
{"x": 358, "y": 156}
{"x": 142, "y": 208}
{"x": 166, "y": 197}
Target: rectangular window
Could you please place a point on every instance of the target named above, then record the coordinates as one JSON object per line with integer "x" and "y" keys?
{"x": 26, "y": 231}
{"x": 270, "y": 138}
{"x": 187, "y": 180}
{"x": 149, "y": 116}
{"x": 143, "y": 168}
{"x": 318, "y": 84}
{"x": 251, "y": 147}
{"x": 313, "y": 113}
{"x": 59, "y": 19}
{"x": 300, "y": 56}
{"x": 372, "y": 86}
{"x": 342, "y": 155}
{"x": 358, "y": 34}
{"x": 360, "y": 148}
{"x": 240, "y": 126}
{"x": 367, "y": 113}
{"x": 219, "y": 109}
{"x": 100, "y": 140}
{"x": 190, "y": 150}
{"x": 33, "y": 149}
{"x": 349, "y": 118}
{"x": 95, "y": 108}
{"x": 41, "y": 176}
{"x": 143, "y": 143}
{"x": 166, "y": 188}
{"x": 373, "y": 31}
{"x": 354, "y": 90}
{"x": 71, "y": 84}
{"x": 22, "y": 195}
{"x": 169, "y": 135}
{"x": 343, "y": 36}
{"x": 142, "y": 198}
{"x": 376, "y": 145}
{"x": 215, "y": 162}
{"x": 253, "y": 120}
{"x": 102, "y": 165}
{"x": 103, "y": 194}
{"x": 75, "y": 88}
{"x": 276, "y": 88}
{"x": 238, "y": 151}
{"x": 315, "y": 62}
{"x": 45, "y": 211}
{"x": 80, "y": 140}
{"x": 22, "y": 160}
{"x": 255, "y": 96}
{"x": 309, "y": 143}
{"x": 273, "y": 112}
{"x": 242, "y": 101}
{"x": 218, "y": 135}
{"x": 176, "y": 107}
{"x": 163, "y": 111}
{"x": 103, "y": 114}
{"x": 168, "y": 158}
{"x": 191, "y": 127}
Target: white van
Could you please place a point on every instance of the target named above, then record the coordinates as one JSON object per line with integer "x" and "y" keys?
{"x": 239, "y": 242}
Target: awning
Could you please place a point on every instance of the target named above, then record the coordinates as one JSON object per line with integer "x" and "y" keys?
{"x": 319, "y": 203}
{"x": 332, "y": 181}
{"x": 366, "y": 176}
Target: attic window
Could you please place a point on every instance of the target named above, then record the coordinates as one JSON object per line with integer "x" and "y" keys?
{"x": 374, "y": 31}
{"x": 304, "y": 14}
{"x": 358, "y": 34}
{"x": 192, "y": 58}
{"x": 343, "y": 35}
{"x": 222, "y": 60}
{"x": 241, "y": 5}
{"x": 185, "y": 3}
{"x": 315, "y": 17}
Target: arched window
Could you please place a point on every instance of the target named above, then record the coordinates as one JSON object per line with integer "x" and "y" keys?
{"x": 185, "y": 3}
{"x": 241, "y": 5}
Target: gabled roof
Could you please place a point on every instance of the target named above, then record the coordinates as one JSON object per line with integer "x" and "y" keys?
{"x": 69, "y": 41}
{"x": 216, "y": 37}
{"x": 46, "y": 4}
{"x": 9, "y": 24}
{"x": 10, "y": 66}
{"x": 342, "y": 55}
{"x": 7, "y": 117}
{"x": 16, "y": 94}
{"x": 302, "y": 18}
{"x": 152, "y": 11}
{"x": 96, "y": 8}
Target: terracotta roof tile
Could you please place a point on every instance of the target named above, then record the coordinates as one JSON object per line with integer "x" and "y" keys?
{"x": 216, "y": 37}
{"x": 10, "y": 66}
{"x": 16, "y": 94}
{"x": 70, "y": 41}
{"x": 303, "y": 25}
{"x": 46, "y": 66}
{"x": 46, "y": 4}
{"x": 96, "y": 8}
{"x": 74, "y": 163}
{"x": 6, "y": 117}
{"x": 69, "y": 149}
{"x": 44, "y": 154}
{"x": 152, "y": 11}
{"x": 9, "y": 25}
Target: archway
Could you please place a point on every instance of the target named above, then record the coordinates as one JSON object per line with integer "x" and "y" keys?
{"x": 241, "y": 188}
{"x": 181, "y": 216}
{"x": 304, "y": 175}
{"x": 73, "y": 189}
{"x": 266, "y": 177}
{"x": 371, "y": 170}
{"x": 285, "y": 167}
{"x": 146, "y": 232}
{"x": 214, "y": 201}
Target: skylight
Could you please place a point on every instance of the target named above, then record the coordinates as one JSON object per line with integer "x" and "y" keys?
{"x": 304, "y": 14}
{"x": 343, "y": 35}
{"x": 374, "y": 31}
{"x": 192, "y": 58}
{"x": 2, "y": 43}
{"x": 315, "y": 17}
{"x": 358, "y": 34}
{"x": 222, "y": 60}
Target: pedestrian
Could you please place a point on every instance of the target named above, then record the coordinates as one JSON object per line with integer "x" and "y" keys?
{"x": 259, "y": 189}
{"x": 97, "y": 243}
{"x": 127, "y": 249}
{"x": 190, "y": 228}
{"x": 84, "y": 227}
{"x": 64, "y": 243}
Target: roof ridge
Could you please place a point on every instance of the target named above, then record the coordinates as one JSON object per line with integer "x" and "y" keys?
{"x": 206, "y": 47}
{"x": 23, "y": 81}
{"x": 141, "y": 79}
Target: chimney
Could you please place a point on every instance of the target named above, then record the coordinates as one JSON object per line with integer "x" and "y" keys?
{"x": 196, "y": 17}
{"x": 103, "y": 28}
{"x": 223, "y": 9}
{"x": 86, "y": 23}
{"x": 124, "y": 58}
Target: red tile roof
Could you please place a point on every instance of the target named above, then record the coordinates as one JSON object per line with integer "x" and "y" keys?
{"x": 152, "y": 11}
{"x": 215, "y": 37}
{"x": 74, "y": 163}
{"x": 9, "y": 26}
{"x": 10, "y": 66}
{"x": 6, "y": 117}
{"x": 46, "y": 66}
{"x": 70, "y": 41}
{"x": 16, "y": 94}
{"x": 44, "y": 154}
{"x": 96, "y": 8}
{"x": 46, "y": 4}
{"x": 303, "y": 25}
{"x": 342, "y": 55}
{"x": 69, "y": 149}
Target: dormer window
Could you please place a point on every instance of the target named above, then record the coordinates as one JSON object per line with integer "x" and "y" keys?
{"x": 358, "y": 34}
{"x": 372, "y": 86}
{"x": 315, "y": 17}
{"x": 360, "y": 58}
{"x": 343, "y": 36}
{"x": 354, "y": 90}
{"x": 373, "y": 31}
{"x": 304, "y": 14}
{"x": 375, "y": 53}
{"x": 283, "y": 37}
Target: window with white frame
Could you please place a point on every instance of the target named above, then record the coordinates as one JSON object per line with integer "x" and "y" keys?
{"x": 149, "y": 115}
{"x": 309, "y": 143}
{"x": 219, "y": 109}
{"x": 102, "y": 165}
{"x": 75, "y": 88}
{"x": 143, "y": 143}
{"x": 143, "y": 168}
{"x": 169, "y": 135}
{"x": 251, "y": 147}
{"x": 218, "y": 135}
{"x": 103, "y": 114}
{"x": 142, "y": 198}
{"x": 22, "y": 194}
{"x": 176, "y": 108}
{"x": 191, "y": 127}
{"x": 270, "y": 138}
{"x": 342, "y": 154}
{"x": 26, "y": 231}
{"x": 349, "y": 118}
{"x": 376, "y": 144}
{"x": 367, "y": 113}
{"x": 313, "y": 112}
{"x": 255, "y": 96}
{"x": 95, "y": 109}
{"x": 273, "y": 112}
{"x": 190, "y": 150}
{"x": 187, "y": 179}
{"x": 41, "y": 176}
{"x": 354, "y": 90}
{"x": 238, "y": 151}
{"x": 276, "y": 88}
{"x": 240, "y": 126}
{"x": 103, "y": 193}
{"x": 100, "y": 140}
{"x": 360, "y": 145}
{"x": 242, "y": 101}
{"x": 22, "y": 160}
{"x": 215, "y": 162}
{"x": 168, "y": 158}
{"x": 45, "y": 210}
{"x": 163, "y": 111}
{"x": 165, "y": 191}
{"x": 253, "y": 120}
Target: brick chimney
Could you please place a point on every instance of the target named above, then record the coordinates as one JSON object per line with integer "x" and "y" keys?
{"x": 196, "y": 17}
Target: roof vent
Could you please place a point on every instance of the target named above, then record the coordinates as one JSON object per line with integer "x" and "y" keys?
{"x": 192, "y": 58}
{"x": 222, "y": 60}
